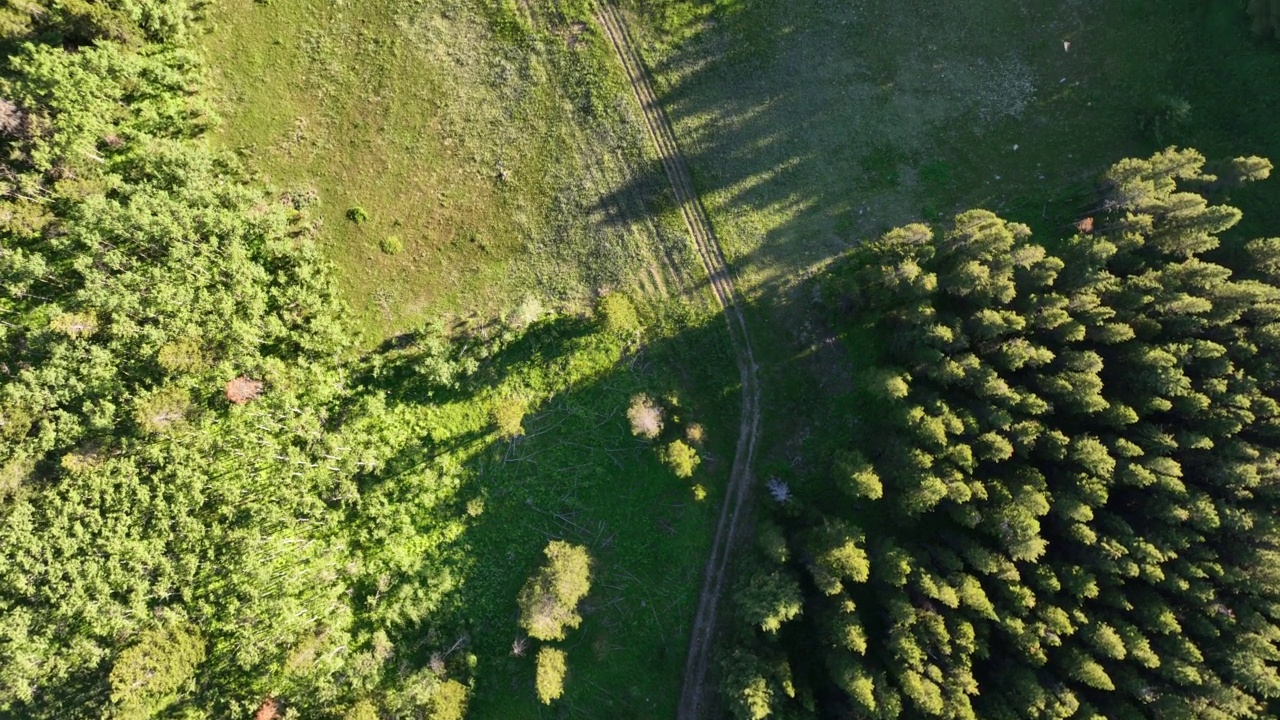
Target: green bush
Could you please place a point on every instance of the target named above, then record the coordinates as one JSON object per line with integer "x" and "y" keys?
{"x": 681, "y": 458}
{"x": 391, "y": 245}
{"x": 357, "y": 215}
{"x": 618, "y": 315}
{"x": 550, "y": 674}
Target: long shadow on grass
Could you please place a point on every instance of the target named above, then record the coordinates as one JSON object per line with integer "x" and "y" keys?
{"x": 577, "y": 474}
{"x": 811, "y": 125}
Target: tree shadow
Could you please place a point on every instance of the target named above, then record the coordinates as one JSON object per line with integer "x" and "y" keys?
{"x": 809, "y": 126}
{"x": 578, "y": 474}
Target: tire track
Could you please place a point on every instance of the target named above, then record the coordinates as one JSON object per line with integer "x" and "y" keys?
{"x": 696, "y": 697}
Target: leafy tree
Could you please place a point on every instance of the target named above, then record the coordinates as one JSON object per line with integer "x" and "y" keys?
{"x": 645, "y": 417}
{"x": 681, "y": 458}
{"x": 150, "y": 674}
{"x": 549, "y": 600}
{"x": 551, "y": 671}
{"x": 450, "y": 701}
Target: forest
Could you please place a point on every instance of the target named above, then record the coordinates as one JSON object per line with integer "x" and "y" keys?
{"x": 368, "y": 361}
{"x": 1067, "y": 509}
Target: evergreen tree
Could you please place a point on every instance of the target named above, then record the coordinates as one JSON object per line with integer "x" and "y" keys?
{"x": 1066, "y": 460}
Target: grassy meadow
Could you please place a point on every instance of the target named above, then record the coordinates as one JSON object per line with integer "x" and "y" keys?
{"x": 811, "y": 125}
{"x": 499, "y": 146}
{"x": 464, "y": 157}
{"x": 576, "y": 474}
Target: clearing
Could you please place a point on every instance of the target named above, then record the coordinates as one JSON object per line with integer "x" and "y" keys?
{"x": 488, "y": 143}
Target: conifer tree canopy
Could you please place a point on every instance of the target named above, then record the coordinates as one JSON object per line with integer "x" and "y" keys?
{"x": 1067, "y": 507}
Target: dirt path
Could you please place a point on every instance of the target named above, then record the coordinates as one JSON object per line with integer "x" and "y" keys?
{"x": 696, "y": 696}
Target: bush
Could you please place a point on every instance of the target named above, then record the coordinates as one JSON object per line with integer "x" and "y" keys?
{"x": 645, "y": 417}
{"x": 681, "y": 458}
{"x": 391, "y": 245}
{"x": 508, "y": 415}
{"x": 617, "y": 315}
{"x": 550, "y": 675}
{"x": 1164, "y": 115}
{"x": 695, "y": 433}
{"x": 357, "y": 215}
{"x": 549, "y": 600}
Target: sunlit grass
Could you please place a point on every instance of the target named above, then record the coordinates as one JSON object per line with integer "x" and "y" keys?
{"x": 467, "y": 148}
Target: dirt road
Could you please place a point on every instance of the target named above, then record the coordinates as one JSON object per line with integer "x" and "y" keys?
{"x": 696, "y": 695}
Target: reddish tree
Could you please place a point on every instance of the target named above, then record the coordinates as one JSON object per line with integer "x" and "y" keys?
{"x": 1085, "y": 225}
{"x": 242, "y": 390}
{"x": 268, "y": 710}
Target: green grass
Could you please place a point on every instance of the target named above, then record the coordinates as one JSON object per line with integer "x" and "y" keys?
{"x": 578, "y": 474}
{"x": 498, "y": 145}
{"x": 495, "y": 144}
{"x": 812, "y": 125}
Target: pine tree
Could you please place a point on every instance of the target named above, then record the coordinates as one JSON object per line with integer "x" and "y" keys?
{"x": 1065, "y": 454}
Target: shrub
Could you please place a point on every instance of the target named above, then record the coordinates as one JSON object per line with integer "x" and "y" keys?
{"x": 550, "y": 675}
{"x": 1164, "y": 115}
{"x": 391, "y": 245}
{"x": 617, "y": 315}
{"x": 681, "y": 458}
{"x": 508, "y": 415}
{"x": 695, "y": 433}
{"x": 645, "y": 417}
{"x": 549, "y": 600}
{"x": 357, "y": 215}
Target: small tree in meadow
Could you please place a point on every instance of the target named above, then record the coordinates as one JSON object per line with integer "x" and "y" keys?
{"x": 645, "y": 417}
{"x": 549, "y": 600}
{"x": 550, "y": 674}
{"x": 681, "y": 458}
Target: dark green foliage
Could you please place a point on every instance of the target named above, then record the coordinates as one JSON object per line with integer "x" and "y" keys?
{"x": 1072, "y": 452}
{"x": 1266, "y": 16}
{"x": 357, "y": 215}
